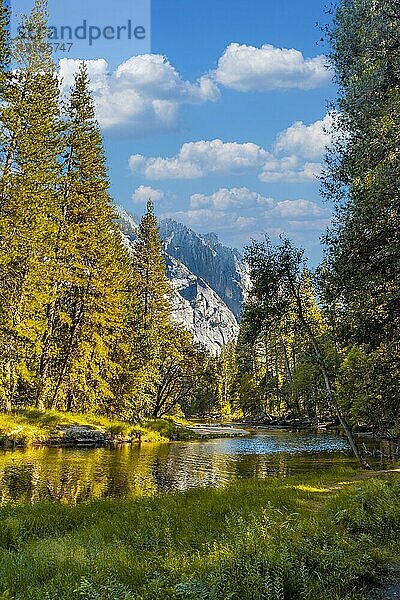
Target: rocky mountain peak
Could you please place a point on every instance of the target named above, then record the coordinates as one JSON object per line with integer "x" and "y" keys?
{"x": 208, "y": 279}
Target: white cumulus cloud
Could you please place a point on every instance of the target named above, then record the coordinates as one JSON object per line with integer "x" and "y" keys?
{"x": 144, "y": 193}
{"x": 289, "y": 169}
{"x": 301, "y": 209}
{"x": 199, "y": 159}
{"x": 308, "y": 141}
{"x": 296, "y": 157}
{"x": 241, "y": 214}
{"x": 247, "y": 68}
{"x": 230, "y": 198}
{"x": 143, "y": 95}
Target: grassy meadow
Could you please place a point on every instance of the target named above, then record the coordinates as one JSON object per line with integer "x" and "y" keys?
{"x": 316, "y": 537}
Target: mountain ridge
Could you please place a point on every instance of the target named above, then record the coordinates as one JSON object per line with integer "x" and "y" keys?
{"x": 208, "y": 280}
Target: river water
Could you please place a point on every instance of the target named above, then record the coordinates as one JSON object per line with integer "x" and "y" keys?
{"x": 75, "y": 475}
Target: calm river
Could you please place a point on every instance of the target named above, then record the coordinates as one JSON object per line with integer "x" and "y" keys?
{"x": 77, "y": 475}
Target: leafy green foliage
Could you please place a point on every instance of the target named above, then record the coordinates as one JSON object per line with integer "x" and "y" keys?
{"x": 282, "y": 293}
{"x": 215, "y": 392}
{"x": 361, "y": 273}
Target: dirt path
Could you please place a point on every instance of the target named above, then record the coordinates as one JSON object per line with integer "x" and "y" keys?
{"x": 371, "y": 474}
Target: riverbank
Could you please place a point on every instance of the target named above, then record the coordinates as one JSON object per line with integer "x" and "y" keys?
{"x": 321, "y": 537}
{"x": 205, "y": 431}
{"x": 26, "y": 427}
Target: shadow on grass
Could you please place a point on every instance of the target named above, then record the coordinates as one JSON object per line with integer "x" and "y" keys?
{"x": 293, "y": 539}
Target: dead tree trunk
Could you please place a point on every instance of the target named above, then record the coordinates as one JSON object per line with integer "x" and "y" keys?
{"x": 328, "y": 384}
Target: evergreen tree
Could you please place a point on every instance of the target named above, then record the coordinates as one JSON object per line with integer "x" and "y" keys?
{"x": 30, "y": 176}
{"x": 82, "y": 323}
{"x": 281, "y": 286}
{"x": 92, "y": 264}
{"x": 151, "y": 321}
{"x": 149, "y": 263}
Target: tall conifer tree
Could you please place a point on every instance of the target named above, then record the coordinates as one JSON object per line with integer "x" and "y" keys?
{"x": 152, "y": 319}
{"x": 149, "y": 262}
{"x": 93, "y": 265}
{"x": 30, "y": 175}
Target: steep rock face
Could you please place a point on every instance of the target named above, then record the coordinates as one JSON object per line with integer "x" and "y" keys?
{"x": 221, "y": 267}
{"x": 209, "y": 306}
{"x": 199, "y": 308}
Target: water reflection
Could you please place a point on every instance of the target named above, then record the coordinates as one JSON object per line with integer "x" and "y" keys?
{"x": 77, "y": 475}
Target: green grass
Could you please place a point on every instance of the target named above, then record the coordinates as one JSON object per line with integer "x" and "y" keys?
{"x": 32, "y": 426}
{"x": 309, "y": 538}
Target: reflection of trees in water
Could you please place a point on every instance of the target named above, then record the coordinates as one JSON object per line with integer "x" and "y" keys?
{"x": 145, "y": 476}
{"x": 68, "y": 475}
{"x": 77, "y": 475}
{"x": 262, "y": 466}
{"x": 164, "y": 480}
{"x": 384, "y": 452}
{"x": 127, "y": 472}
{"x": 44, "y": 473}
{"x": 248, "y": 465}
{"x": 116, "y": 475}
{"x": 194, "y": 465}
{"x": 18, "y": 481}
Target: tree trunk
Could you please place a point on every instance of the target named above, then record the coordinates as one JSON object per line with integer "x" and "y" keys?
{"x": 287, "y": 363}
{"x": 45, "y": 358}
{"x": 331, "y": 395}
{"x": 67, "y": 358}
{"x": 70, "y": 401}
{"x": 295, "y": 409}
{"x": 8, "y": 404}
{"x": 157, "y": 408}
{"x": 266, "y": 398}
{"x": 51, "y": 316}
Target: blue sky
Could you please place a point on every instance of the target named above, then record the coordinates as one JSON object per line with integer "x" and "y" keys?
{"x": 223, "y": 121}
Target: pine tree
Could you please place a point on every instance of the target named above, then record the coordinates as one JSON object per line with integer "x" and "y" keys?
{"x": 83, "y": 324}
{"x": 30, "y": 175}
{"x": 151, "y": 321}
{"x": 149, "y": 262}
{"x": 93, "y": 266}
{"x": 5, "y": 80}
{"x": 5, "y": 62}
